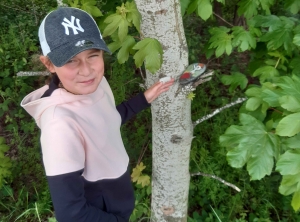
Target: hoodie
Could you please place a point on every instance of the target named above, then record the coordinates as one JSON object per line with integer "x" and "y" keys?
{"x": 83, "y": 154}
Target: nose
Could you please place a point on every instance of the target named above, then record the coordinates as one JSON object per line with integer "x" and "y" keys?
{"x": 85, "y": 69}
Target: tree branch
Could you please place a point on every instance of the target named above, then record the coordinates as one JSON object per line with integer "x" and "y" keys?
{"x": 217, "y": 178}
{"x": 223, "y": 19}
{"x": 239, "y": 100}
{"x": 33, "y": 73}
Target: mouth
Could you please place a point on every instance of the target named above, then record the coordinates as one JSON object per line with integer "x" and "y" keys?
{"x": 87, "y": 81}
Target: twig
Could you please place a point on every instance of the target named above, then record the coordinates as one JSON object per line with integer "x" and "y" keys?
{"x": 142, "y": 75}
{"x": 217, "y": 178}
{"x": 15, "y": 8}
{"x": 239, "y": 100}
{"x": 34, "y": 12}
{"x": 222, "y": 19}
{"x": 33, "y": 73}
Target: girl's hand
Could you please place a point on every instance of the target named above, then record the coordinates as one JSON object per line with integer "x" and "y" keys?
{"x": 156, "y": 89}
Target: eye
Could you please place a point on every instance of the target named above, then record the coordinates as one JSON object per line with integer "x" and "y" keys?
{"x": 94, "y": 55}
{"x": 71, "y": 61}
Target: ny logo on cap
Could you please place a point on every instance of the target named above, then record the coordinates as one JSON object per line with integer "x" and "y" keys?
{"x": 70, "y": 24}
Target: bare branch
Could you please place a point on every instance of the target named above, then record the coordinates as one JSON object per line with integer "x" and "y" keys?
{"x": 239, "y": 100}
{"x": 33, "y": 73}
{"x": 204, "y": 78}
{"x": 223, "y": 19}
{"x": 217, "y": 178}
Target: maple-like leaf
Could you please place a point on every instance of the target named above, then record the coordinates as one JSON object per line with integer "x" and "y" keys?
{"x": 137, "y": 171}
{"x": 251, "y": 144}
{"x": 292, "y": 5}
{"x": 248, "y": 8}
{"x": 150, "y": 52}
{"x": 220, "y": 40}
{"x": 133, "y": 15}
{"x": 144, "y": 180}
{"x": 282, "y": 35}
{"x": 235, "y": 79}
{"x": 90, "y": 7}
{"x": 243, "y": 39}
{"x": 289, "y": 166}
{"x": 266, "y": 73}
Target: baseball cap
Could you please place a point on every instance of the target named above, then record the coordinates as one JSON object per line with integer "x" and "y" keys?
{"x": 67, "y": 31}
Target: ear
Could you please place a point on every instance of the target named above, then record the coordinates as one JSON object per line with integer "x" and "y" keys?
{"x": 46, "y": 61}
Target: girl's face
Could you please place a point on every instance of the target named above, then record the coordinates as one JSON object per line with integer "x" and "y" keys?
{"x": 82, "y": 74}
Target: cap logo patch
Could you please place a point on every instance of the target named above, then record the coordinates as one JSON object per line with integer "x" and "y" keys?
{"x": 83, "y": 43}
{"x": 70, "y": 24}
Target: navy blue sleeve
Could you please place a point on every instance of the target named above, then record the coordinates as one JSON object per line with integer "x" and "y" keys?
{"x": 133, "y": 106}
{"x": 67, "y": 193}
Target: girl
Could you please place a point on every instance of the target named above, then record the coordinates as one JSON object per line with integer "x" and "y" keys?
{"x": 83, "y": 153}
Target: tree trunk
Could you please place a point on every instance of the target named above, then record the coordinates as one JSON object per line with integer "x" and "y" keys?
{"x": 171, "y": 115}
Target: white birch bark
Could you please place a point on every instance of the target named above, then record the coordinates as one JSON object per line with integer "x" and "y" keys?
{"x": 171, "y": 115}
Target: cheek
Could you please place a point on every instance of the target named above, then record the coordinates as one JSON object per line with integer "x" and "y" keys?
{"x": 66, "y": 76}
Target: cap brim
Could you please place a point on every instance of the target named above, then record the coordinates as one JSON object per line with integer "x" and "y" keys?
{"x": 64, "y": 53}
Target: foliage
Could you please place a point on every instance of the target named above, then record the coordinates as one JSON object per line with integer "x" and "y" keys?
{"x": 5, "y": 162}
{"x": 265, "y": 65}
{"x": 270, "y": 115}
{"x": 148, "y": 50}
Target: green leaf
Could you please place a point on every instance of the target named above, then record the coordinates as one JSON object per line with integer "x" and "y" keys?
{"x": 253, "y": 91}
{"x": 266, "y": 4}
{"x": 271, "y": 22}
{"x": 192, "y": 7}
{"x": 113, "y": 23}
{"x": 123, "y": 29}
{"x": 289, "y": 184}
{"x": 234, "y": 80}
{"x": 116, "y": 21}
{"x": 253, "y": 103}
{"x": 184, "y": 5}
{"x": 243, "y": 39}
{"x": 289, "y": 163}
{"x": 2, "y": 140}
{"x": 290, "y": 103}
{"x": 290, "y": 86}
{"x": 204, "y": 9}
{"x": 133, "y": 15}
{"x": 279, "y": 55}
{"x": 127, "y": 45}
{"x": 293, "y": 142}
{"x": 271, "y": 97}
{"x": 289, "y": 125}
{"x": 247, "y": 8}
{"x": 89, "y": 7}
{"x": 296, "y": 40}
{"x": 150, "y": 52}
{"x": 295, "y": 66}
{"x": 220, "y": 40}
{"x": 251, "y": 144}
{"x": 282, "y": 35}
{"x": 296, "y": 200}
{"x": 292, "y": 5}
{"x": 4, "y": 148}
{"x": 266, "y": 73}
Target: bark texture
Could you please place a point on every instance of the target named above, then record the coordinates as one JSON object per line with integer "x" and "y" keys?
{"x": 171, "y": 113}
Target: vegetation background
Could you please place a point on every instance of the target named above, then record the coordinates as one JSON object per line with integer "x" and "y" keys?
{"x": 24, "y": 194}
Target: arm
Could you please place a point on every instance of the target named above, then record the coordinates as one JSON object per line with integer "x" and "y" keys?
{"x": 142, "y": 100}
{"x": 131, "y": 107}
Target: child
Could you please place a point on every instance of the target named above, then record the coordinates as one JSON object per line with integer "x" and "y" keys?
{"x": 83, "y": 153}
